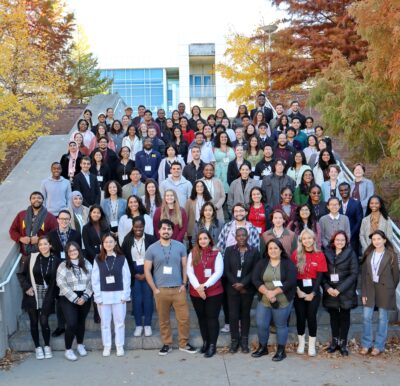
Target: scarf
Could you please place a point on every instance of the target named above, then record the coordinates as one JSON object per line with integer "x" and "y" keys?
{"x": 76, "y": 210}
{"x": 72, "y": 163}
{"x": 33, "y": 226}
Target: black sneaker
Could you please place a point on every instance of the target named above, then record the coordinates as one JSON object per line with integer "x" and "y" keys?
{"x": 189, "y": 349}
{"x": 165, "y": 350}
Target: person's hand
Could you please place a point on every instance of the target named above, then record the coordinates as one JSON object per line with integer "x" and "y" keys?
{"x": 238, "y": 286}
{"x": 156, "y": 292}
{"x": 34, "y": 239}
{"x": 364, "y": 300}
{"x": 309, "y": 297}
{"x": 270, "y": 295}
{"x": 30, "y": 292}
{"x": 272, "y": 300}
{"x": 182, "y": 288}
{"x": 25, "y": 240}
{"x": 333, "y": 292}
{"x": 80, "y": 302}
{"x": 139, "y": 276}
{"x": 300, "y": 293}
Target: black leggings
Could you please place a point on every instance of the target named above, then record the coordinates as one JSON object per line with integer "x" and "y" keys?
{"x": 225, "y": 306}
{"x": 36, "y": 317}
{"x": 340, "y": 322}
{"x": 239, "y": 309}
{"x": 207, "y": 312}
{"x": 307, "y": 311}
{"x": 75, "y": 317}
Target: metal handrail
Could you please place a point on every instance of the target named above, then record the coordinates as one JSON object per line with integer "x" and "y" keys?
{"x": 11, "y": 273}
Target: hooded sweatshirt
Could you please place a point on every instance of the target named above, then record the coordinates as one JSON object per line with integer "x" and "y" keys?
{"x": 56, "y": 193}
{"x": 182, "y": 188}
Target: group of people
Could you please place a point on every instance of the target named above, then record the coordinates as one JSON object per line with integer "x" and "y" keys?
{"x": 145, "y": 209}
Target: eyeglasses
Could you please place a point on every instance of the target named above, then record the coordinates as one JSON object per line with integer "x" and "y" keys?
{"x": 64, "y": 219}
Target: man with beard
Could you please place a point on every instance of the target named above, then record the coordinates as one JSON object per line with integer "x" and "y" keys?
{"x": 148, "y": 161}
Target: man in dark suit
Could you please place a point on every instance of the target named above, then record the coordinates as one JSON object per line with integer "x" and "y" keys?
{"x": 58, "y": 240}
{"x": 268, "y": 114}
{"x": 353, "y": 210}
{"x": 86, "y": 183}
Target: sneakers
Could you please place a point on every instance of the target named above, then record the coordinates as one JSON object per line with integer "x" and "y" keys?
{"x": 148, "y": 331}
{"x": 189, "y": 349}
{"x": 81, "y": 350}
{"x": 138, "y": 331}
{"x": 226, "y": 329}
{"x": 120, "y": 351}
{"x": 165, "y": 350}
{"x": 70, "y": 355}
{"x": 106, "y": 351}
{"x": 47, "y": 352}
{"x": 39, "y": 353}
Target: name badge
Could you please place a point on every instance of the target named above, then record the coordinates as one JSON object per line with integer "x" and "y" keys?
{"x": 277, "y": 283}
{"x": 375, "y": 278}
{"x": 140, "y": 262}
{"x": 226, "y": 160}
{"x": 124, "y": 177}
{"x": 100, "y": 178}
{"x": 167, "y": 270}
{"x": 334, "y": 277}
{"x": 62, "y": 255}
{"x": 147, "y": 168}
{"x": 259, "y": 229}
{"x": 307, "y": 283}
{"x": 239, "y": 273}
{"x": 114, "y": 224}
{"x": 207, "y": 272}
{"x": 110, "y": 279}
{"x": 253, "y": 169}
{"x": 256, "y": 178}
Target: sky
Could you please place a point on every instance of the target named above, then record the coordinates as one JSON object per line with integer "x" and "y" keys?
{"x": 122, "y": 31}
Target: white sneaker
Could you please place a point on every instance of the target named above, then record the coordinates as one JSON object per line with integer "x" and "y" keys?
{"x": 70, "y": 355}
{"x": 226, "y": 328}
{"x": 138, "y": 331}
{"x": 39, "y": 353}
{"x": 81, "y": 350}
{"x": 148, "y": 331}
{"x": 106, "y": 351}
{"x": 120, "y": 351}
{"x": 47, "y": 352}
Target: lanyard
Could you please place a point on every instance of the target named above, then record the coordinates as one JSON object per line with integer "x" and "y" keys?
{"x": 167, "y": 256}
{"x": 63, "y": 240}
{"x": 112, "y": 265}
{"x": 139, "y": 250}
{"x": 242, "y": 258}
{"x": 375, "y": 262}
{"x": 49, "y": 263}
{"x": 207, "y": 257}
{"x": 114, "y": 210}
{"x": 274, "y": 270}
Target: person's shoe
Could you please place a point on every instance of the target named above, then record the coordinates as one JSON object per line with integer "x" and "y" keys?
{"x": 364, "y": 351}
{"x": 234, "y": 346}
{"x": 106, "y": 351}
{"x": 211, "y": 350}
{"x": 333, "y": 346}
{"x": 204, "y": 348}
{"x": 165, "y": 350}
{"x": 120, "y": 351}
{"x": 261, "y": 351}
{"x": 312, "y": 340}
{"x": 138, "y": 331}
{"x": 48, "y": 354}
{"x": 39, "y": 353}
{"x": 189, "y": 349}
{"x": 96, "y": 318}
{"x": 343, "y": 348}
{"x": 148, "y": 331}
{"x": 375, "y": 352}
{"x": 226, "y": 329}
{"x": 57, "y": 332}
{"x": 280, "y": 354}
{"x": 81, "y": 350}
{"x": 244, "y": 345}
{"x": 70, "y": 355}
{"x": 302, "y": 344}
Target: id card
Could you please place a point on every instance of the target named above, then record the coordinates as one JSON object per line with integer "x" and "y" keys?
{"x": 167, "y": 270}
{"x": 100, "y": 178}
{"x": 207, "y": 272}
{"x": 226, "y": 160}
{"x": 124, "y": 177}
{"x": 256, "y": 178}
{"x": 62, "y": 255}
{"x": 110, "y": 279}
{"x": 375, "y": 278}
{"x": 307, "y": 283}
{"x": 253, "y": 169}
{"x": 334, "y": 277}
{"x": 114, "y": 224}
{"x": 147, "y": 168}
{"x": 239, "y": 273}
{"x": 259, "y": 230}
{"x": 277, "y": 283}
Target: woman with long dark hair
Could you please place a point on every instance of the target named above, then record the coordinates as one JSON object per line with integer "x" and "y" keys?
{"x": 298, "y": 167}
{"x": 223, "y": 154}
{"x": 208, "y": 221}
{"x": 321, "y": 169}
{"x": 180, "y": 143}
{"x": 204, "y": 269}
{"x": 286, "y": 203}
{"x": 114, "y": 206}
{"x": 117, "y": 134}
{"x": 305, "y": 219}
{"x": 259, "y": 211}
{"x": 133, "y": 141}
{"x": 100, "y": 169}
{"x": 302, "y": 192}
{"x": 152, "y": 196}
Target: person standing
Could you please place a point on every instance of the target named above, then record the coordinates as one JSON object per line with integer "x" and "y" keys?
{"x": 379, "y": 279}
{"x": 361, "y": 188}
{"x": 167, "y": 258}
{"x": 111, "y": 282}
{"x": 38, "y": 282}
{"x": 86, "y": 183}
{"x": 267, "y": 111}
{"x": 74, "y": 281}
{"x": 148, "y": 160}
{"x": 134, "y": 246}
{"x": 114, "y": 206}
{"x": 79, "y": 213}
{"x": 204, "y": 269}
{"x": 311, "y": 264}
{"x": 193, "y": 171}
{"x": 135, "y": 187}
{"x": 209, "y": 222}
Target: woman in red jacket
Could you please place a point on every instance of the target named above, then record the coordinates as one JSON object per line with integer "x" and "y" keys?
{"x": 311, "y": 264}
{"x": 204, "y": 269}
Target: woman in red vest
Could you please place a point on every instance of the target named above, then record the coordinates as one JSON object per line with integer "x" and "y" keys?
{"x": 204, "y": 269}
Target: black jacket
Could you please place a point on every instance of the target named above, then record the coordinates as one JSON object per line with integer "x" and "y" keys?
{"x": 92, "y": 241}
{"x": 191, "y": 173}
{"x": 183, "y": 149}
{"x": 233, "y": 171}
{"x": 110, "y": 159}
{"x": 355, "y": 214}
{"x": 56, "y": 242}
{"x": 232, "y": 265}
{"x": 64, "y": 162}
{"x": 268, "y": 114}
{"x": 346, "y": 266}
{"x": 104, "y": 172}
{"x": 90, "y": 194}
{"x": 288, "y": 276}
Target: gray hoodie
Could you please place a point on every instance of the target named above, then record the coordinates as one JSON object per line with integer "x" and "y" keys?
{"x": 182, "y": 188}
{"x": 56, "y": 193}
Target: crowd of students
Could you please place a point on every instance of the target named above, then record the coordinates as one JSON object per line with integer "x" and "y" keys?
{"x": 142, "y": 209}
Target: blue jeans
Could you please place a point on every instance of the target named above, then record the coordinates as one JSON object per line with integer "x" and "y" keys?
{"x": 142, "y": 296}
{"x": 280, "y": 316}
{"x": 381, "y": 335}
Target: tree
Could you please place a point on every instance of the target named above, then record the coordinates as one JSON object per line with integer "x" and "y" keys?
{"x": 362, "y": 101}
{"x": 29, "y": 90}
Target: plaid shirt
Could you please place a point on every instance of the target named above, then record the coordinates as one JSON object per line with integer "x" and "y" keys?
{"x": 254, "y": 238}
{"x": 69, "y": 281}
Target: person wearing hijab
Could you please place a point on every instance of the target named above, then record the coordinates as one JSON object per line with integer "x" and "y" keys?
{"x": 79, "y": 212}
